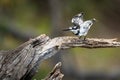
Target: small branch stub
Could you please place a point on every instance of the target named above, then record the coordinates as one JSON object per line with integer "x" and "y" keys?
{"x": 55, "y": 74}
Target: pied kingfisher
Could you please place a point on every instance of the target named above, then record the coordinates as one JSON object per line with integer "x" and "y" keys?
{"x": 80, "y": 27}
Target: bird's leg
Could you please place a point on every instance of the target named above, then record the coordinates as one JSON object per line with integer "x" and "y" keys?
{"x": 84, "y": 38}
{"x": 80, "y": 37}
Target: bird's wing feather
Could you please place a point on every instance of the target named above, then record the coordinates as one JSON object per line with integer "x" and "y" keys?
{"x": 77, "y": 19}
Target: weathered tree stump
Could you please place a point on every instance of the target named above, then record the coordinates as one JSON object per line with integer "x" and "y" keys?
{"x": 21, "y": 63}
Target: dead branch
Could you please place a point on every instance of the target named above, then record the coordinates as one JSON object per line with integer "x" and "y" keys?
{"x": 55, "y": 74}
{"x": 23, "y": 62}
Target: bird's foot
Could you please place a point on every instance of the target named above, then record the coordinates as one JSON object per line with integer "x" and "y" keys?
{"x": 80, "y": 37}
{"x": 84, "y": 39}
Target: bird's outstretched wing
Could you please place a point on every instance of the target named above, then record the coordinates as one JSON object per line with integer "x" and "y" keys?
{"x": 77, "y": 19}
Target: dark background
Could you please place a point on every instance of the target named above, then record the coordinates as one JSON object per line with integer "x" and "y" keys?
{"x": 21, "y": 20}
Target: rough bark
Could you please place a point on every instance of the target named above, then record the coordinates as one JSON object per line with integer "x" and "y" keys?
{"x": 22, "y": 63}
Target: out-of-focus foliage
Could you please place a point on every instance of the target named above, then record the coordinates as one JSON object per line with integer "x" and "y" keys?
{"x": 21, "y": 20}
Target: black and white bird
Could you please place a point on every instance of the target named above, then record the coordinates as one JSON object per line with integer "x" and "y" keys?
{"x": 80, "y": 27}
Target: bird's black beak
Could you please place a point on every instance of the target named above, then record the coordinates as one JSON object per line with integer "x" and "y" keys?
{"x": 66, "y": 29}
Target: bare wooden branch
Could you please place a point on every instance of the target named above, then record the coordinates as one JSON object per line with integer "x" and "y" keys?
{"x": 23, "y": 62}
{"x": 55, "y": 74}
{"x": 69, "y": 42}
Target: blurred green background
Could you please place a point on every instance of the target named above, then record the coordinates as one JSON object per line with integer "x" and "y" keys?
{"x": 21, "y": 20}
